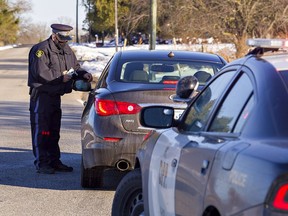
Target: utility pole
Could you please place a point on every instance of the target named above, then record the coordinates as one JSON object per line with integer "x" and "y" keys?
{"x": 89, "y": 22}
{"x": 116, "y": 26}
{"x": 153, "y": 24}
{"x": 77, "y": 38}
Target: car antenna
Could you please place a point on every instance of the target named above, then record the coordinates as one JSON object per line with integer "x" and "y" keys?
{"x": 171, "y": 54}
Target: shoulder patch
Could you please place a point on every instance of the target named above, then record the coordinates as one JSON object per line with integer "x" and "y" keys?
{"x": 39, "y": 53}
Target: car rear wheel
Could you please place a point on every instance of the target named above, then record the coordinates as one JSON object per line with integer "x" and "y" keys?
{"x": 128, "y": 199}
{"x": 92, "y": 178}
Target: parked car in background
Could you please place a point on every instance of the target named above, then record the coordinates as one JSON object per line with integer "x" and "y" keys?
{"x": 227, "y": 154}
{"x": 110, "y": 128}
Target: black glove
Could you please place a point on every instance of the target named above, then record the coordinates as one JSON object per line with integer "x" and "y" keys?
{"x": 68, "y": 86}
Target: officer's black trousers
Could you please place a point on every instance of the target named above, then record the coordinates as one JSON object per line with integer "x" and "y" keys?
{"x": 45, "y": 119}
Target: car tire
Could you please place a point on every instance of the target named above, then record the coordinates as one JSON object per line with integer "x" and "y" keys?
{"x": 92, "y": 178}
{"x": 128, "y": 198}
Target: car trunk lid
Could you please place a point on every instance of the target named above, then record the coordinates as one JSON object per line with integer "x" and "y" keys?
{"x": 144, "y": 98}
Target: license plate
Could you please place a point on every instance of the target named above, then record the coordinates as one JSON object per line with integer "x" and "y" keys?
{"x": 177, "y": 113}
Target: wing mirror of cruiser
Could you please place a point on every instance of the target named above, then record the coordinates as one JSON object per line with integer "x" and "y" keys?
{"x": 157, "y": 117}
{"x": 82, "y": 85}
{"x": 185, "y": 88}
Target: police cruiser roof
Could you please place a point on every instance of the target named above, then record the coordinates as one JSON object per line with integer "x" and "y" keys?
{"x": 274, "y": 51}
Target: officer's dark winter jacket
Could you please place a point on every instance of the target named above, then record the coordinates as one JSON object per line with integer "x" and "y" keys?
{"x": 46, "y": 64}
{"x": 47, "y": 61}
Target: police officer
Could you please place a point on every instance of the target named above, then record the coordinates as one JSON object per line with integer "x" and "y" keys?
{"x": 49, "y": 62}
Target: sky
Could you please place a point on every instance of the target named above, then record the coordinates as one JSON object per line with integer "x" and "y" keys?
{"x": 51, "y": 11}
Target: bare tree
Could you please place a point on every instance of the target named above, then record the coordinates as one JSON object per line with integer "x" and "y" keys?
{"x": 134, "y": 17}
{"x": 237, "y": 20}
{"x": 32, "y": 33}
{"x": 230, "y": 20}
{"x": 9, "y": 19}
{"x": 183, "y": 18}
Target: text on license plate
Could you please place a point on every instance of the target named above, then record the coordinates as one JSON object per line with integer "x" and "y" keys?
{"x": 177, "y": 113}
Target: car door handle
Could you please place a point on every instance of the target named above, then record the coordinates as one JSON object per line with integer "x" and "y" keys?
{"x": 205, "y": 165}
{"x": 174, "y": 162}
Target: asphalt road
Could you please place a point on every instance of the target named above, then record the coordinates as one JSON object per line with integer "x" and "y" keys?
{"x": 23, "y": 191}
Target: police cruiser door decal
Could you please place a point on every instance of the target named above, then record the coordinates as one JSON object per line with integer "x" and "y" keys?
{"x": 163, "y": 169}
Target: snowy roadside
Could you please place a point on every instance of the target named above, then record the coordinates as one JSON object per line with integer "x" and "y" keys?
{"x": 94, "y": 59}
{"x": 7, "y": 47}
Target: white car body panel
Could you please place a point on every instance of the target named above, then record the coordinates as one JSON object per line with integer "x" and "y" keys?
{"x": 163, "y": 169}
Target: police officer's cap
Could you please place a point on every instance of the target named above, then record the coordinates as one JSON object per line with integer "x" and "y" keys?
{"x": 63, "y": 31}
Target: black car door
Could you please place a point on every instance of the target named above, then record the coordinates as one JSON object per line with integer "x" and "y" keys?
{"x": 197, "y": 156}
{"x": 170, "y": 163}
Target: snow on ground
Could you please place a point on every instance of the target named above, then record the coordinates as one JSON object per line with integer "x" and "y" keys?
{"x": 93, "y": 59}
{"x": 7, "y": 47}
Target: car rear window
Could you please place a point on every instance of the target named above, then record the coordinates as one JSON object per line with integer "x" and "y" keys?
{"x": 166, "y": 72}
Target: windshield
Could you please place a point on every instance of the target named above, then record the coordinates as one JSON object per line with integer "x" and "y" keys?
{"x": 167, "y": 72}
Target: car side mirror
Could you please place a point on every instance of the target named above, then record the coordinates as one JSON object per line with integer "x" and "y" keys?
{"x": 82, "y": 85}
{"x": 186, "y": 86}
{"x": 157, "y": 117}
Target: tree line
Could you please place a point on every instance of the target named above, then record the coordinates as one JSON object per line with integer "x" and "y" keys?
{"x": 9, "y": 20}
{"x": 230, "y": 21}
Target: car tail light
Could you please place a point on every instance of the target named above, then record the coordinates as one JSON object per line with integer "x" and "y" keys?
{"x": 280, "y": 200}
{"x": 112, "y": 139}
{"x": 170, "y": 82}
{"x": 110, "y": 107}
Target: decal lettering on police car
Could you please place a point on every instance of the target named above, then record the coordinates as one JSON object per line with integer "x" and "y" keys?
{"x": 39, "y": 53}
{"x": 163, "y": 173}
